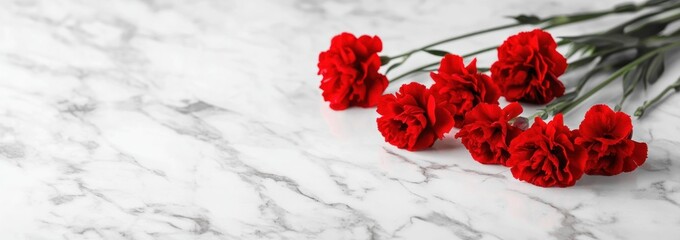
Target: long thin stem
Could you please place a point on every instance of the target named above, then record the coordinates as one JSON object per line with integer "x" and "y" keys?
{"x": 459, "y": 37}
{"x": 673, "y": 87}
{"x": 432, "y": 64}
{"x": 615, "y": 75}
{"x": 621, "y": 26}
{"x": 554, "y": 21}
{"x": 419, "y": 69}
{"x": 557, "y": 20}
{"x": 615, "y": 30}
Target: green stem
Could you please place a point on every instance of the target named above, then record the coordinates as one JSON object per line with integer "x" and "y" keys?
{"x": 615, "y": 75}
{"x": 483, "y": 50}
{"x": 616, "y": 29}
{"x": 621, "y": 26}
{"x": 419, "y": 69}
{"x": 641, "y": 110}
{"x": 459, "y": 37}
{"x": 557, "y": 20}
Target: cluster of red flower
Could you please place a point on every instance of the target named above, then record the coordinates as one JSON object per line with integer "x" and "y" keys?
{"x": 527, "y": 70}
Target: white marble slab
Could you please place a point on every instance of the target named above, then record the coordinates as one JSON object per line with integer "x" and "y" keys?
{"x": 203, "y": 120}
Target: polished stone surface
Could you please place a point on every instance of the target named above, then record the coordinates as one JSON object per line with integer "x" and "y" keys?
{"x": 203, "y": 120}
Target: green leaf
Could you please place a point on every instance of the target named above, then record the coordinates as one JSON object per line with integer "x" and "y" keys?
{"x": 655, "y": 69}
{"x": 527, "y": 19}
{"x": 604, "y": 40}
{"x": 626, "y": 7}
{"x": 648, "y": 29}
{"x": 438, "y": 53}
{"x": 594, "y": 54}
{"x": 575, "y": 48}
{"x": 427, "y": 70}
{"x": 560, "y": 20}
{"x": 655, "y": 2}
{"x": 619, "y": 59}
{"x": 582, "y": 62}
{"x": 631, "y": 78}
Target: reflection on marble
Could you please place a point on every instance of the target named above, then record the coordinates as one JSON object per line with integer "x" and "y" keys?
{"x": 203, "y": 120}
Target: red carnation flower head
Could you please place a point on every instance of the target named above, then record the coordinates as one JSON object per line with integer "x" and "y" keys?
{"x": 413, "y": 118}
{"x": 462, "y": 86}
{"x": 487, "y": 132}
{"x": 528, "y": 68}
{"x": 350, "y": 71}
{"x": 545, "y": 155}
{"x": 606, "y": 135}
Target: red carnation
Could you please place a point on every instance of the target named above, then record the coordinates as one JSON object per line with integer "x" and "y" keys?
{"x": 413, "y": 118}
{"x": 528, "y": 68}
{"x": 463, "y": 87}
{"x": 607, "y": 137}
{"x": 350, "y": 72}
{"x": 545, "y": 155}
{"x": 487, "y": 132}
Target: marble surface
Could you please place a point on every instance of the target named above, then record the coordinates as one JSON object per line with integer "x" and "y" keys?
{"x": 203, "y": 120}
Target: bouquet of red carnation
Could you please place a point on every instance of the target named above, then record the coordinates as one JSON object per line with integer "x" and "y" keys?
{"x": 527, "y": 70}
